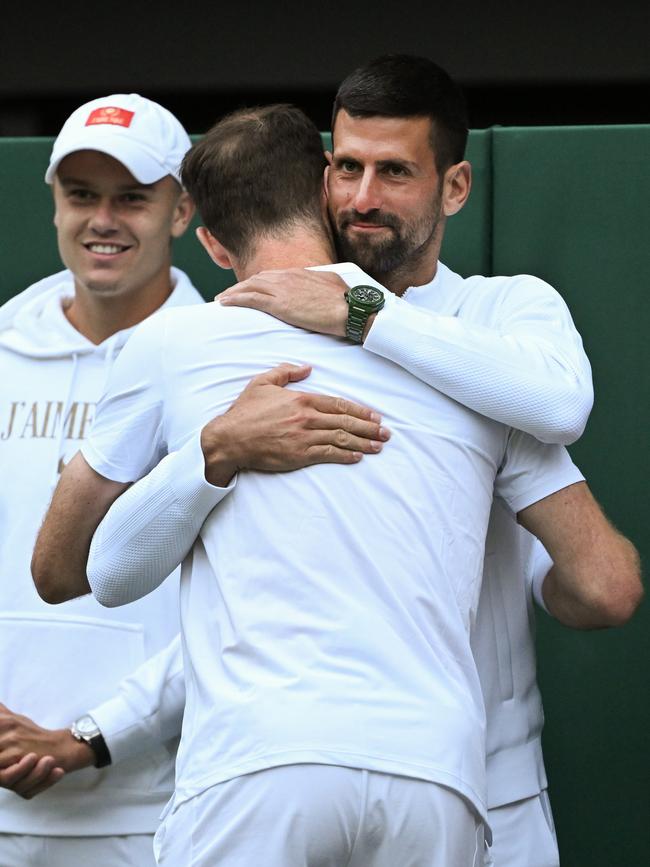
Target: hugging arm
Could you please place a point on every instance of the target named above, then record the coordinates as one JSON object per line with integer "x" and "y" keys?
{"x": 525, "y": 367}
{"x": 268, "y": 427}
{"x": 594, "y": 579}
{"x": 81, "y": 499}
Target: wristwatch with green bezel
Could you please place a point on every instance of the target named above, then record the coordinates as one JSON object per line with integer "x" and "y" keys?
{"x": 363, "y": 301}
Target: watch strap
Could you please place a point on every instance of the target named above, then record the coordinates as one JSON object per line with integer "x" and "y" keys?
{"x": 357, "y": 318}
{"x": 97, "y": 744}
{"x": 358, "y": 314}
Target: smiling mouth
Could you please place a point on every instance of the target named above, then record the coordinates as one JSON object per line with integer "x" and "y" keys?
{"x": 106, "y": 249}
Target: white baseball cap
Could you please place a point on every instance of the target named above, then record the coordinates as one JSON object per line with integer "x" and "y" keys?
{"x": 139, "y": 133}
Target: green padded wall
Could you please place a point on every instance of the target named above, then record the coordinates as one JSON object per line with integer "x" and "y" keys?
{"x": 467, "y": 246}
{"x": 27, "y": 236}
{"x": 572, "y": 205}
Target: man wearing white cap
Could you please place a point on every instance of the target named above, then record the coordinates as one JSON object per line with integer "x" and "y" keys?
{"x": 118, "y": 202}
{"x": 82, "y": 685}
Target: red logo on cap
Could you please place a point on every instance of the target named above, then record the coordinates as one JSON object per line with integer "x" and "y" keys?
{"x": 110, "y": 114}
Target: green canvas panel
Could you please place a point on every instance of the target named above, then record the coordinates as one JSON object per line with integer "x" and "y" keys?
{"x": 27, "y": 237}
{"x": 466, "y": 247}
{"x": 572, "y": 205}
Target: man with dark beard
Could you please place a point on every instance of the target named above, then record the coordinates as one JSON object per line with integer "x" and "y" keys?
{"x": 397, "y": 172}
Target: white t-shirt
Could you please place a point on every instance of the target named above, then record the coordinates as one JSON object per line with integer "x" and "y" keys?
{"x": 325, "y": 612}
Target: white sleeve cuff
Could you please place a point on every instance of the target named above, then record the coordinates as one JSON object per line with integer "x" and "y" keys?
{"x": 541, "y": 565}
{"x": 185, "y": 474}
{"x": 147, "y": 710}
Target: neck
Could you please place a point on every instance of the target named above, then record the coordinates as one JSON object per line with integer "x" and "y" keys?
{"x": 99, "y": 315}
{"x": 420, "y": 267}
{"x": 401, "y": 279}
{"x": 298, "y": 249}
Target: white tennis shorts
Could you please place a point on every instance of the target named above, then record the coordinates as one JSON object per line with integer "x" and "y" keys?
{"x": 322, "y": 816}
{"x": 524, "y": 834}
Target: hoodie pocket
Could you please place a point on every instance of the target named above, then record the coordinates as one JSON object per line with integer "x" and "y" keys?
{"x": 55, "y": 668}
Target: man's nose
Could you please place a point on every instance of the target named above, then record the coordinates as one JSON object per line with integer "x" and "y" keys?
{"x": 368, "y": 194}
{"x": 103, "y": 218}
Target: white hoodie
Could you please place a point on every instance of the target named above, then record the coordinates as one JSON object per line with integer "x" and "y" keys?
{"x": 58, "y": 662}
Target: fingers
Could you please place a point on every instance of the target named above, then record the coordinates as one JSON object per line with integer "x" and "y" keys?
{"x": 350, "y": 424}
{"x": 267, "y": 287}
{"x": 245, "y": 298}
{"x": 282, "y": 374}
{"x": 56, "y": 775}
{"x": 44, "y": 775}
{"x": 331, "y": 454}
{"x": 341, "y": 439}
{"x": 16, "y": 772}
{"x": 339, "y": 406}
{"x": 255, "y": 289}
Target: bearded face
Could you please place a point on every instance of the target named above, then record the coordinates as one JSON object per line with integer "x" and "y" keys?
{"x": 381, "y": 242}
{"x": 385, "y": 197}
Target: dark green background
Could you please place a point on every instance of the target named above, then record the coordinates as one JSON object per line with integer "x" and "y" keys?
{"x": 571, "y": 205}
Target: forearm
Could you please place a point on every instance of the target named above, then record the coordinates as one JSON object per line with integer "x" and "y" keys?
{"x": 523, "y": 365}
{"x": 522, "y": 379}
{"x": 595, "y": 580}
{"x": 583, "y": 598}
{"x": 150, "y": 529}
{"x": 80, "y": 500}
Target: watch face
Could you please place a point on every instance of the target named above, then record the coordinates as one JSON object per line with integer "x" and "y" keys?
{"x": 86, "y": 725}
{"x": 366, "y": 294}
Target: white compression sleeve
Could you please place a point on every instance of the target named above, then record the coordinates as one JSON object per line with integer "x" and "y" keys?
{"x": 525, "y": 378}
{"x": 151, "y": 527}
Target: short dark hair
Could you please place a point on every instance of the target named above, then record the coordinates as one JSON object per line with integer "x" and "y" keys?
{"x": 404, "y": 85}
{"x": 257, "y": 170}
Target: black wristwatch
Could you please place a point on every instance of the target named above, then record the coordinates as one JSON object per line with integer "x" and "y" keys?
{"x": 363, "y": 301}
{"x": 86, "y": 729}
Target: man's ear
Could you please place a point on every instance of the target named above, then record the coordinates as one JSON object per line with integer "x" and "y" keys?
{"x": 326, "y": 175}
{"x": 215, "y": 249}
{"x": 456, "y": 187}
{"x": 183, "y": 213}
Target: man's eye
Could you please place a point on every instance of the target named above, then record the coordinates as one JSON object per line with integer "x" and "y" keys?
{"x": 348, "y": 166}
{"x": 396, "y": 171}
{"x": 80, "y": 194}
{"x": 132, "y": 198}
